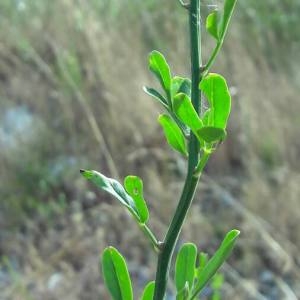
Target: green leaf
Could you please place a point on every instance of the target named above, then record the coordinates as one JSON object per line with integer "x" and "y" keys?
{"x": 185, "y": 266}
{"x": 159, "y": 66}
{"x": 216, "y": 261}
{"x": 202, "y": 261}
{"x": 134, "y": 187}
{"x": 114, "y": 188}
{"x": 212, "y": 24}
{"x": 228, "y": 11}
{"x": 116, "y": 276}
{"x": 211, "y": 134}
{"x": 173, "y": 134}
{"x": 184, "y": 293}
{"x": 185, "y": 111}
{"x": 215, "y": 88}
{"x": 156, "y": 95}
{"x": 180, "y": 85}
{"x": 149, "y": 291}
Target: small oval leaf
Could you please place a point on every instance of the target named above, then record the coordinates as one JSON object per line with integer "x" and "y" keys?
{"x": 116, "y": 276}
{"x": 185, "y": 266}
{"x": 216, "y": 91}
{"x": 211, "y": 134}
{"x": 185, "y": 111}
{"x": 212, "y": 24}
{"x": 148, "y": 291}
{"x": 181, "y": 85}
{"x": 213, "y": 265}
{"x": 134, "y": 187}
{"x": 173, "y": 134}
{"x": 156, "y": 95}
{"x": 160, "y": 68}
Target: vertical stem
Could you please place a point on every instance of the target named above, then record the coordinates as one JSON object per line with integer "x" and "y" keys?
{"x": 191, "y": 181}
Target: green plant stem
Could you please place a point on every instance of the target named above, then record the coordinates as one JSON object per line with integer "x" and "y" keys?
{"x": 213, "y": 57}
{"x": 164, "y": 258}
{"x": 202, "y": 163}
{"x": 147, "y": 231}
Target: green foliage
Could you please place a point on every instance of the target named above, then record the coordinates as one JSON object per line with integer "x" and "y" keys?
{"x": 134, "y": 187}
{"x": 160, "y": 68}
{"x": 185, "y": 111}
{"x": 156, "y": 95}
{"x": 212, "y": 24}
{"x": 181, "y": 85}
{"x": 185, "y": 267}
{"x": 216, "y": 24}
{"x": 173, "y": 134}
{"x": 215, "y": 89}
{"x": 148, "y": 291}
{"x": 196, "y": 137}
{"x": 115, "y": 274}
{"x": 213, "y": 265}
{"x": 114, "y": 188}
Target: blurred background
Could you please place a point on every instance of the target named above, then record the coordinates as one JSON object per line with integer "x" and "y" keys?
{"x": 71, "y": 77}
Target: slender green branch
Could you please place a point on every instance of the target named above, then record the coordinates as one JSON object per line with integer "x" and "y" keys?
{"x": 149, "y": 234}
{"x": 191, "y": 181}
{"x": 203, "y": 161}
{"x": 213, "y": 57}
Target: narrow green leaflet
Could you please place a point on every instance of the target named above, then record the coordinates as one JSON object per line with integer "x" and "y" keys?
{"x": 134, "y": 187}
{"x": 185, "y": 266}
{"x": 228, "y": 11}
{"x": 148, "y": 292}
{"x": 212, "y": 24}
{"x": 112, "y": 187}
{"x": 211, "y": 134}
{"x": 116, "y": 276}
{"x": 173, "y": 134}
{"x": 159, "y": 66}
{"x": 202, "y": 261}
{"x": 216, "y": 261}
{"x": 156, "y": 95}
{"x": 185, "y": 111}
{"x": 215, "y": 88}
{"x": 184, "y": 293}
{"x": 180, "y": 85}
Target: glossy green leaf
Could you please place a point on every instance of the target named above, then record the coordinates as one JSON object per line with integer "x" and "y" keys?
{"x": 206, "y": 118}
{"x": 215, "y": 88}
{"x": 116, "y": 276}
{"x": 216, "y": 261}
{"x": 180, "y": 85}
{"x": 156, "y": 95}
{"x": 134, "y": 187}
{"x": 228, "y": 11}
{"x": 159, "y": 66}
{"x": 184, "y": 293}
{"x": 185, "y": 111}
{"x": 212, "y": 24}
{"x": 114, "y": 188}
{"x": 173, "y": 134}
{"x": 211, "y": 134}
{"x": 148, "y": 292}
{"x": 185, "y": 266}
